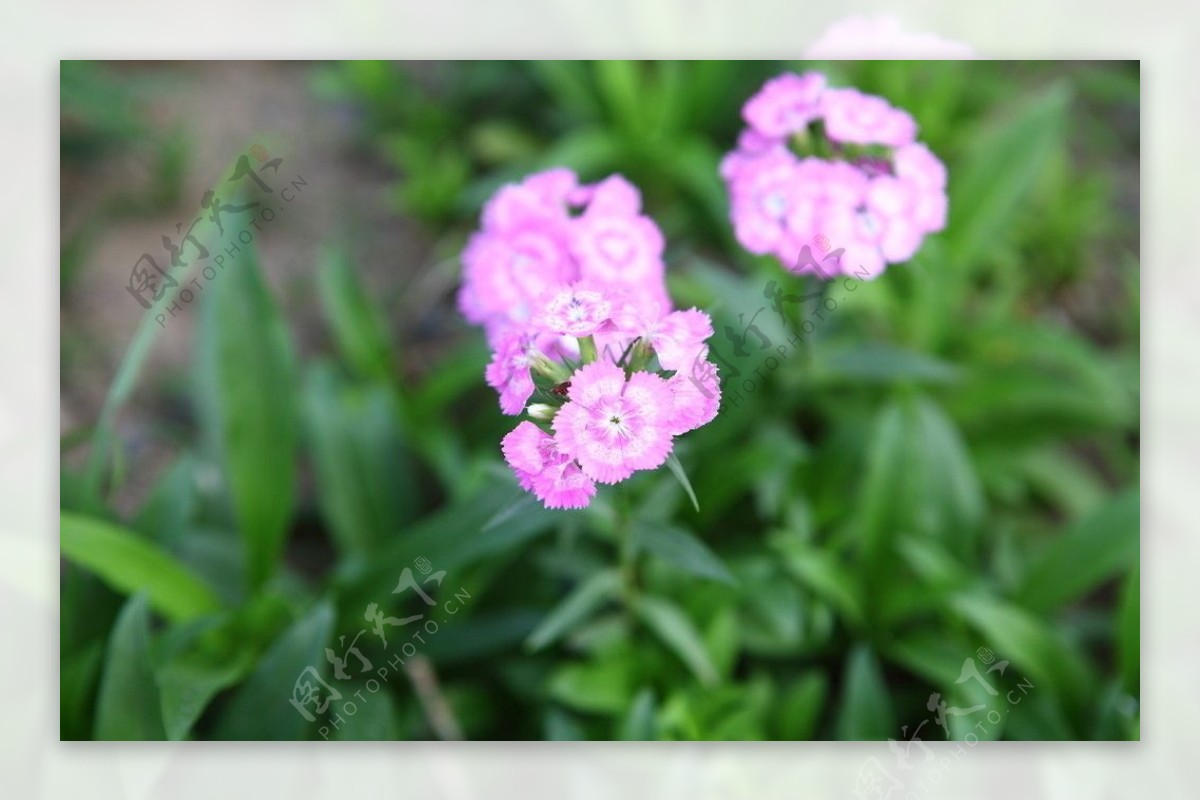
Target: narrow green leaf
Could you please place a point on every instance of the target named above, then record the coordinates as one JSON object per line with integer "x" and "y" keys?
{"x": 356, "y": 322}
{"x": 879, "y": 497}
{"x": 127, "y": 707}
{"x": 262, "y": 709}
{"x": 575, "y": 608}
{"x": 823, "y": 574}
{"x": 677, "y": 632}
{"x": 192, "y": 670}
{"x": 1033, "y": 646}
{"x": 1129, "y": 635}
{"x": 247, "y": 356}
{"x": 1098, "y": 548}
{"x": 169, "y": 508}
{"x": 677, "y": 470}
{"x": 801, "y": 706}
{"x": 885, "y": 364}
{"x": 365, "y": 483}
{"x": 1002, "y": 168}
{"x": 639, "y": 723}
{"x": 681, "y": 549}
{"x": 865, "y": 711}
{"x": 602, "y": 687}
{"x": 374, "y": 720}
{"x": 78, "y": 676}
{"x": 452, "y": 537}
{"x": 130, "y": 564}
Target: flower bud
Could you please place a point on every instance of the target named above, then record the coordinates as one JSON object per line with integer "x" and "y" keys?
{"x": 541, "y": 411}
{"x": 552, "y": 370}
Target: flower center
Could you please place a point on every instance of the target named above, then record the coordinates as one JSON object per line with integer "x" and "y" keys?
{"x": 615, "y": 426}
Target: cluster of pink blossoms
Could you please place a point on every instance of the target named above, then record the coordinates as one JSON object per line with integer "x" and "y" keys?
{"x": 568, "y": 282}
{"x": 816, "y": 161}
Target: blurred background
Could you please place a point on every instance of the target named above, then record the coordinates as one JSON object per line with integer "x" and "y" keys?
{"x": 947, "y": 476}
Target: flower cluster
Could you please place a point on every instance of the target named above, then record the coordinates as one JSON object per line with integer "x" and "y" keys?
{"x": 568, "y": 282}
{"x": 818, "y": 161}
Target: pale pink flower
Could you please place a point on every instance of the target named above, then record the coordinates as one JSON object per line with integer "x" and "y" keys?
{"x": 574, "y": 311}
{"x": 882, "y": 36}
{"x": 544, "y": 470}
{"x": 855, "y": 118}
{"x": 785, "y": 104}
{"x": 873, "y": 208}
{"x": 763, "y": 193}
{"x": 915, "y": 164}
{"x": 619, "y": 251}
{"x": 613, "y": 426}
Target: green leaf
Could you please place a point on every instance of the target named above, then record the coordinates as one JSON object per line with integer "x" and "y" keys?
{"x": 620, "y": 85}
{"x": 1033, "y": 646}
{"x": 823, "y": 574}
{"x": 262, "y": 709}
{"x": 127, "y": 707}
{"x": 677, "y": 470}
{"x": 879, "y": 496}
{"x": 365, "y": 484}
{"x": 1129, "y": 635}
{"x": 639, "y": 723}
{"x": 1001, "y": 170}
{"x": 356, "y": 322}
{"x": 575, "y": 608}
{"x": 452, "y": 537}
{"x": 801, "y": 706}
{"x": 865, "y": 709}
{"x": 171, "y": 503}
{"x": 374, "y": 720}
{"x": 680, "y": 549}
{"x": 602, "y": 687}
{"x": 247, "y": 356}
{"x": 194, "y": 665}
{"x": 78, "y": 677}
{"x": 1098, "y": 548}
{"x": 675, "y": 629}
{"x": 952, "y": 504}
{"x": 875, "y": 362}
{"x": 129, "y": 564}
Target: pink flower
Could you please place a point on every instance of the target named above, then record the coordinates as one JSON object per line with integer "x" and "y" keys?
{"x": 509, "y": 372}
{"x": 763, "y": 193}
{"x": 613, "y": 426}
{"x": 916, "y": 165}
{"x": 522, "y": 252}
{"x": 888, "y": 218}
{"x": 874, "y": 208}
{"x": 615, "y": 246}
{"x": 575, "y": 312}
{"x": 531, "y": 245}
{"x": 544, "y": 470}
{"x": 855, "y": 118}
{"x": 675, "y": 337}
{"x": 786, "y": 104}
{"x": 695, "y": 394}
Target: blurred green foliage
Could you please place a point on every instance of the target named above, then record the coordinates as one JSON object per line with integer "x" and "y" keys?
{"x": 949, "y": 463}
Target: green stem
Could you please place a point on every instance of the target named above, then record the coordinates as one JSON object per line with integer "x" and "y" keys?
{"x": 587, "y": 349}
{"x": 626, "y": 548}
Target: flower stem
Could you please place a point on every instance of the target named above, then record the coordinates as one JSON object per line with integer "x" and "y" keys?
{"x": 626, "y": 548}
